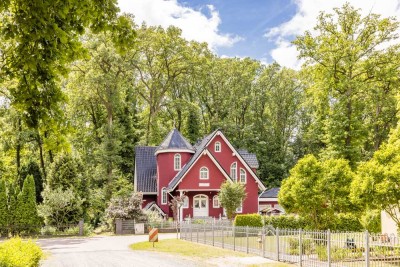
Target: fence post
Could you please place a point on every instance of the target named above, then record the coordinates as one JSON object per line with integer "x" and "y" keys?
{"x": 205, "y": 241}
{"x": 222, "y": 227}
{"x": 247, "y": 239}
{"x": 191, "y": 232}
{"x": 328, "y": 237}
{"x": 212, "y": 233}
{"x": 263, "y": 241}
{"x": 277, "y": 243}
{"x": 300, "y": 248}
{"x": 197, "y": 233}
{"x": 81, "y": 224}
{"x": 366, "y": 248}
{"x": 234, "y": 238}
{"x": 118, "y": 226}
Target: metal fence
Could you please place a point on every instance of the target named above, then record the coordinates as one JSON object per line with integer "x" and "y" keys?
{"x": 304, "y": 248}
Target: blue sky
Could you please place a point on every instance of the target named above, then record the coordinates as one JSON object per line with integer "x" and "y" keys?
{"x": 260, "y": 29}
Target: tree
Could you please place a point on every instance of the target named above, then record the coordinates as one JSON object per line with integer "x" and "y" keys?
{"x": 4, "y": 214}
{"x": 317, "y": 190}
{"x": 378, "y": 180}
{"x": 353, "y": 80}
{"x": 26, "y": 211}
{"x": 231, "y": 197}
{"x": 32, "y": 168}
{"x": 175, "y": 204}
{"x": 125, "y": 207}
{"x": 60, "y": 206}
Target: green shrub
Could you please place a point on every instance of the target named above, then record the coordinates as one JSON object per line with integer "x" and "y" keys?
{"x": 252, "y": 220}
{"x": 285, "y": 222}
{"x": 87, "y": 230}
{"x": 322, "y": 253}
{"x": 48, "y": 230}
{"x": 306, "y": 246}
{"x": 347, "y": 222}
{"x": 18, "y": 253}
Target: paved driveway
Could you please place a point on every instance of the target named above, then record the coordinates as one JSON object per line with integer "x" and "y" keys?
{"x": 107, "y": 251}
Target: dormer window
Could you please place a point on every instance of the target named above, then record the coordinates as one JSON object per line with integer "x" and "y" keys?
{"x": 217, "y": 147}
{"x": 234, "y": 171}
{"x": 203, "y": 173}
{"x": 177, "y": 162}
{"x": 243, "y": 176}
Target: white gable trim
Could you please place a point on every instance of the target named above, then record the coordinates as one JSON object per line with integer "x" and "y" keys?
{"x": 158, "y": 208}
{"x": 260, "y": 184}
{"x": 205, "y": 152}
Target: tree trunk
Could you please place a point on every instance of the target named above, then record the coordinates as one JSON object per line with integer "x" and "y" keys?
{"x": 40, "y": 144}
{"x": 19, "y": 146}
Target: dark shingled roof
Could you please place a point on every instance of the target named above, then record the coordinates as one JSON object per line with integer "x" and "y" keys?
{"x": 250, "y": 158}
{"x": 146, "y": 169}
{"x": 199, "y": 149}
{"x": 270, "y": 193}
{"x": 175, "y": 140}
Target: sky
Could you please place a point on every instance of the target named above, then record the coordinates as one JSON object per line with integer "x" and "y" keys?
{"x": 259, "y": 29}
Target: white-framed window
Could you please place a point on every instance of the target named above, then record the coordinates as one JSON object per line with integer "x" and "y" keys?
{"x": 234, "y": 171}
{"x": 185, "y": 204}
{"x": 216, "y": 202}
{"x": 240, "y": 209}
{"x": 243, "y": 176}
{"x": 217, "y": 147}
{"x": 203, "y": 173}
{"x": 164, "y": 196}
{"x": 177, "y": 162}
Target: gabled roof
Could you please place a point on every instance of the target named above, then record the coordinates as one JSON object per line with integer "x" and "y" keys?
{"x": 270, "y": 193}
{"x": 145, "y": 169}
{"x": 153, "y": 205}
{"x": 199, "y": 150}
{"x": 174, "y": 141}
{"x": 250, "y": 158}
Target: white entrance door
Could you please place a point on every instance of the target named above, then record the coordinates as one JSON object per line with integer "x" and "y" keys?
{"x": 200, "y": 206}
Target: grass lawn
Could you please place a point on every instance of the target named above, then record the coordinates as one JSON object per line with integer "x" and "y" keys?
{"x": 197, "y": 251}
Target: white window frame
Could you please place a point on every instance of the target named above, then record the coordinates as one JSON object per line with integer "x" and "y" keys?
{"x": 217, "y": 145}
{"x": 185, "y": 204}
{"x": 240, "y": 209}
{"x": 164, "y": 196}
{"x": 203, "y": 170}
{"x": 215, "y": 198}
{"x": 242, "y": 176}
{"x": 234, "y": 171}
{"x": 177, "y": 162}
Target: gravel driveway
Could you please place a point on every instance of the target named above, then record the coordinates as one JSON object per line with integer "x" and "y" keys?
{"x": 107, "y": 251}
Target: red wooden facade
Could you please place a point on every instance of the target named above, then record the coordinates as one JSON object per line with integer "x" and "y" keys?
{"x": 203, "y": 168}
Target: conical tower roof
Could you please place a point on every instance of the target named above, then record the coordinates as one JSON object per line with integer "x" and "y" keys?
{"x": 175, "y": 142}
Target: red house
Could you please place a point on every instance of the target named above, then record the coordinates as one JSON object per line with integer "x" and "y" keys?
{"x": 176, "y": 167}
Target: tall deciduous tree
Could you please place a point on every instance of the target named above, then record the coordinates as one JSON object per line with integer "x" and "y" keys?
{"x": 352, "y": 79}
{"x": 317, "y": 190}
{"x": 231, "y": 197}
{"x": 378, "y": 180}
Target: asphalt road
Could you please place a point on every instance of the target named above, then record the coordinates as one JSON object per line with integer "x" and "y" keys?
{"x": 107, "y": 251}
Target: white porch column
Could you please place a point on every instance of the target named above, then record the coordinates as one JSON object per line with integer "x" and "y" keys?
{"x": 181, "y": 208}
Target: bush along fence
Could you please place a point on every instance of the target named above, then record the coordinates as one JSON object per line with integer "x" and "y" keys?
{"x": 304, "y": 248}
{"x": 72, "y": 229}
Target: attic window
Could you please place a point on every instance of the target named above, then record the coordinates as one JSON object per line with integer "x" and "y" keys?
{"x": 234, "y": 171}
{"x": 203, "y": 173}
{"x": 217, "y": 147}
{"x": 177, "y": 162}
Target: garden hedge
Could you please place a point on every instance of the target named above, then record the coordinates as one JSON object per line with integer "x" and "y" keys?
{"x": 252, "y": 220}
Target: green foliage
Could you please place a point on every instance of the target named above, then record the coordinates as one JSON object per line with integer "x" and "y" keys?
{"x": 60, "y": 206}
{"x": 294, "y": 246}
{"x": 316, "y": 190}
{"x": 32, "y": 168}
{"x": 128, "y": 207}
{"x": 377, "y": 179}
{"x": 4, "y": 214}
{"x": 346, "y": 222}
{"x": 286, "y": 222}
{"x": 231, "y": 196}
{"x": 253, "y": 220}
{"x": 26, "y": 214}
{"x": 17, "y": 253}
{"x": 371, "y": 221}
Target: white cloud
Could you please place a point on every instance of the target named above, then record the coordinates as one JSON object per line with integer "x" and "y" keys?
{"x": 306, "y": 18}
{"x": 194, "y": 24}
